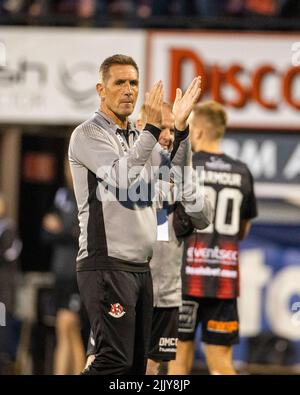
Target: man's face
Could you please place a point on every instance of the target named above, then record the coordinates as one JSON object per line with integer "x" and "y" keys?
{"x": 141, "y": 121}
{"x": 166, "y": 136}
{"x": 120, "y": 90}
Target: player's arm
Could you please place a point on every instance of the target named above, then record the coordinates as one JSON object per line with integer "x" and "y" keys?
{"x": 187, "y": 189}
{"x": 193, "y": 198}
{"x": 10, "y": 245}
{"x": 195, "y": 201}
{"x": 244, "y": 229}
{"x": 54, "y": 231}
{"x": 183, "y": 105}
{"x": 249, "y": 208}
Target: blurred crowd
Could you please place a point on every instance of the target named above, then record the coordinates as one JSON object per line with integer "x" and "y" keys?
{"x": 143, "y": 9}
{"x": 45, "y": 332}
{"x": 10, "y": 249}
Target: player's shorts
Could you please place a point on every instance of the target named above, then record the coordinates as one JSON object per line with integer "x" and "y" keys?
{"x": 119, "y": 306}
{"x": 219, "y": 319}
{"x": 66, "y": 295}
{"x": 164, "y": 334}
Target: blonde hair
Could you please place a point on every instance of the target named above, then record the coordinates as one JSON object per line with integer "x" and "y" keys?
{"x": 215, "y": 114}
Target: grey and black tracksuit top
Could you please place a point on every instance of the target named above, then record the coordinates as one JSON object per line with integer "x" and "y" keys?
{"x": 114, "y": 234}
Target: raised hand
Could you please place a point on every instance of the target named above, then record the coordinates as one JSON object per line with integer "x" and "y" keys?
{"x": 153, "y": 105}
{"x": 183, "y": 104}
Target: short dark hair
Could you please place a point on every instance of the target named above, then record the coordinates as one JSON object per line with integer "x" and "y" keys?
{"x": 113, "y": 60}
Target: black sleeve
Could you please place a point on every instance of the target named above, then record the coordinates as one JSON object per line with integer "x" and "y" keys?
{"x": 182, "y": 223}
{"x": 249, "y": 206}
{"x": 179, "y": 137}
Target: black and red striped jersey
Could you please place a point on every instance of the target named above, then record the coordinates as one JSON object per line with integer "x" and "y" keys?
{"x": 211, "y": 256}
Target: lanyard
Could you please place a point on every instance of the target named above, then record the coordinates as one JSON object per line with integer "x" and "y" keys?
{"x": 121, "y": 140}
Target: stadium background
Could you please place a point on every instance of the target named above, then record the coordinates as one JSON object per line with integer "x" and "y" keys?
{"x": 249, "y": 60}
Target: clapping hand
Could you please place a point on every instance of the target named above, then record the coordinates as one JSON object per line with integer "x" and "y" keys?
{"x": 183, "y": 104}
{"x": 153, "y": 105}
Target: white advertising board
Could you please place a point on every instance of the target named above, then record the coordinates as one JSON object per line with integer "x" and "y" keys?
{"x": 49, "y": 75}
{"x": 256, "y": 76}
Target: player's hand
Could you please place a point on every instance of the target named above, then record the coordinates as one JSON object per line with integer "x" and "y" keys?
{"x": 183, "y": 104}
{"x": 153, "y": 105}
{"x": 52, "y": 223}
